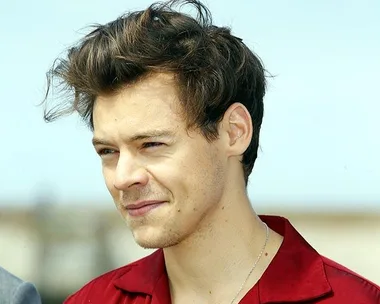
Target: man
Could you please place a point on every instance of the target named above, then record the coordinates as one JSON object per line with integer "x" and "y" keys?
{"x": 175, "y": 105}
{"x": 15, "y": 291}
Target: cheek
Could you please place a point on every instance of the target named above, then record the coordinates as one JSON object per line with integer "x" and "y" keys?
{"x": 203, "y": 179}
{"x": 108, "y": 176}
{"x": 210, "y": 177}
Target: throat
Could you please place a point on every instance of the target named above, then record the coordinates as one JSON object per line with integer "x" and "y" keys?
{"x": 199, "y": 270}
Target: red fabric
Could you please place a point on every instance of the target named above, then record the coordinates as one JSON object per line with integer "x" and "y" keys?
{"x": 297, "y": 274}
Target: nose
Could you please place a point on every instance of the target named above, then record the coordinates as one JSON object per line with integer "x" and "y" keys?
{"x": 129, "y": 173}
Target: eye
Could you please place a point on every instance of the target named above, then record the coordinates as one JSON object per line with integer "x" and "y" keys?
{"x": 151, "y": 145}
{"x": 105, "y": 151}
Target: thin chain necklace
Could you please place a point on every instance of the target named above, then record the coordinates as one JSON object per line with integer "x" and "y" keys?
{"x": 255, "y": 264}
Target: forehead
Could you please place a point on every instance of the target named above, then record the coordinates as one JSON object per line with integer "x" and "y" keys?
{"x": 149, "y": 103}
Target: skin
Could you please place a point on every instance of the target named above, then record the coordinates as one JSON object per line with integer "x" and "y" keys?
{"x": 210, "y": 234}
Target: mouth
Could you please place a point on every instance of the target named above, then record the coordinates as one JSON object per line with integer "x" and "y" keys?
{"x": 142, "y": 207}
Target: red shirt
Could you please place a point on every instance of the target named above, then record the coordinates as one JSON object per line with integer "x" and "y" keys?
{"x": 297, "y": 274}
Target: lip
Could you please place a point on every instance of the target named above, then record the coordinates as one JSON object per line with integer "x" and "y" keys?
{"x": 142, "y": 207}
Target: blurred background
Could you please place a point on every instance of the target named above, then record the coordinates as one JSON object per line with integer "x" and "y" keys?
{"x": 318, "y": 163}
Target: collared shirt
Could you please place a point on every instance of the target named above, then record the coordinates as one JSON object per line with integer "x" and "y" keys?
{"x": 297, "y": 274}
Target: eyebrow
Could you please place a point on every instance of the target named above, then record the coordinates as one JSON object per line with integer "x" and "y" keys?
{"x": 137, "y": 137}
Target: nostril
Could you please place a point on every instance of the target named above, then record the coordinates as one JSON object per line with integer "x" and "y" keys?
{"x": 125, "y": 181}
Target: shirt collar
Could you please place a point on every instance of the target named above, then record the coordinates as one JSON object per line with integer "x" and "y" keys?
{"x": 297, "y": 271}
{"x": 144, "y": 275}
{"x": 295, "y": 274}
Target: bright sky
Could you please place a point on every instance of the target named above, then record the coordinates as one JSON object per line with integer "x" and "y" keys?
{"x": 320, "y": 143}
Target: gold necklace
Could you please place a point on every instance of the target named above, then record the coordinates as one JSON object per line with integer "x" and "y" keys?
{"x": 255, "y": 264}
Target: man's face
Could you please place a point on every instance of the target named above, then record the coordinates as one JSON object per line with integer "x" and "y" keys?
{"x": 164, "y": 179}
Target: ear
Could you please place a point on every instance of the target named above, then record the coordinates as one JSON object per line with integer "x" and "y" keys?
{"x": 237, "y": 126}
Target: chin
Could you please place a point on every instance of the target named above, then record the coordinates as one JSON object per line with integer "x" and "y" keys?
{"x": 149, "y": 239}
{"x": 154, "y": 244}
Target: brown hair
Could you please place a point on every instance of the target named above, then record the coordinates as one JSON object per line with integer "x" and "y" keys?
{"x": 212, "y": 67}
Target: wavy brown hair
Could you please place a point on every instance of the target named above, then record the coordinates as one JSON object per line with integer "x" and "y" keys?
{"x": 212, "y": 68}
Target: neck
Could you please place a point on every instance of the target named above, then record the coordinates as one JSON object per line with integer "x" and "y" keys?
{"x": 221, "y": 252}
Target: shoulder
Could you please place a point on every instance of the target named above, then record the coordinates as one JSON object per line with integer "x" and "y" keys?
{"x": 350, "y": 287}
{"x": 16, "y": 290}
{"x": 8, "y": 280}
{"x": 26, "y": 293}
